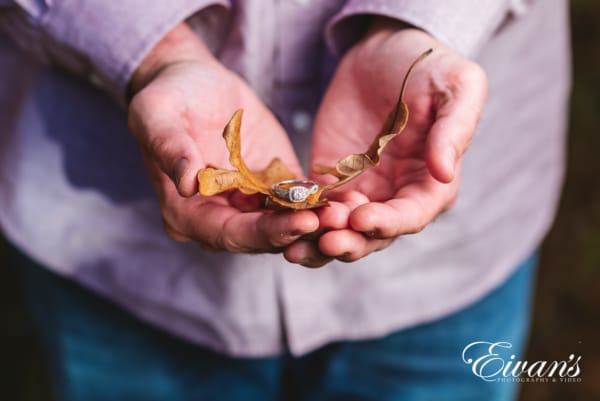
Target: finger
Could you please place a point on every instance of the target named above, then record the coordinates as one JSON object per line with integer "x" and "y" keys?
{"x": 306, "y": 253}
{"x": 349, "y": 245}
{"x": 335, "y": 216}
{"x": 175, "y": 152}
{"x": 409, "y": 213}
{"x": 456, "y": 118}
{"x": 178, "y": 157}
{"x": 225, "y": 228}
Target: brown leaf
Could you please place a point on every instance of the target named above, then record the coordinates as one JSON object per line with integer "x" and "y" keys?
{"x": 275, "y": 172}
{"x": 231, "y": 133}
{"x": 213, "y": 180}
{"x": 350, "y": 167}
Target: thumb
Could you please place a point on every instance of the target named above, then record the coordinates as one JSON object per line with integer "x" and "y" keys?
{"x": 455, "y": 123}
{"x": 178, "y": 157}
{"x": 174, "y": 151}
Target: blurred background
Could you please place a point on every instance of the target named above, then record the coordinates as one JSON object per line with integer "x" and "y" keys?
{"x": 567, "y": 302}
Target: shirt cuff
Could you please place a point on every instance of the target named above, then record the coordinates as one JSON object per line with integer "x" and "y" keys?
{"x": 462, "y": 25}
{"x": 114, "y": 36}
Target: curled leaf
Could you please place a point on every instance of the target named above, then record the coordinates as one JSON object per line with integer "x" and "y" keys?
{"x": 231, "y": 134}
{"x": 350, "y": 167}
{"x": 214, "y": 180}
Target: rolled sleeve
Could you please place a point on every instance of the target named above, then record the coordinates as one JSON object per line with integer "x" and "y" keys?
{"x": 463, "y": 25}
{"x": 109, "y": 38}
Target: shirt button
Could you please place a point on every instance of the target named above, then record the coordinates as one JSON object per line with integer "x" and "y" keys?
{"x": 301, "y": 121}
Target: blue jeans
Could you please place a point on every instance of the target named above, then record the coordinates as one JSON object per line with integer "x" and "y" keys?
{"x": 97, "y": 351}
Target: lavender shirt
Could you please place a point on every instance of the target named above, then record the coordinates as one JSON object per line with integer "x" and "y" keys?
{"x": 74, "y": 194}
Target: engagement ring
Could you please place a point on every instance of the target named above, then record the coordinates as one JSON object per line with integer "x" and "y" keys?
{"x": 295, "y": 190}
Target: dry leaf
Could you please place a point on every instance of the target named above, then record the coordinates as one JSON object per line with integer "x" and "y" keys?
{"x": 215, "y": 180}
{"x": 350, "y": 167}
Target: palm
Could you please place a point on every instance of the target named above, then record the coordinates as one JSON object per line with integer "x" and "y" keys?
{"x": 180, "y": 115}
{"x": 356, "y": 105}
{"x": 197, "y": 101}
{"x": 418, "y": 175}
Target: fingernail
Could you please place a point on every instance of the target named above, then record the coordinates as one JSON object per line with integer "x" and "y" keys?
{"x": 179, "y": 170}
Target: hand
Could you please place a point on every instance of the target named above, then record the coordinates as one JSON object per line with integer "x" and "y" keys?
{"x": 182, "y": 100}
{"x": 419, "y": 172}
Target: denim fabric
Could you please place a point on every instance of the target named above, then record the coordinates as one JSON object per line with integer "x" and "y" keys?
{"x": 98, "y": 351}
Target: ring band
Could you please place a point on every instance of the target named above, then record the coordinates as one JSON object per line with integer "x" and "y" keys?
{"x": 295, "y": 190}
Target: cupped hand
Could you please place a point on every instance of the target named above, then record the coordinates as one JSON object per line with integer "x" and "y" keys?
{"x": 419, "y": 171}
{"x": 182, "y": 100}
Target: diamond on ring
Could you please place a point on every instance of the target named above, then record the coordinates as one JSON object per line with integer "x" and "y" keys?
{"x": 298, "y": 194}
{"x": 295, "y": 191}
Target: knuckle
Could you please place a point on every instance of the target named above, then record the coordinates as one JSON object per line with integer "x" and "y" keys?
{"x": 420, "y": 105}
{"x": 422, "y": 218}
{"x": 419, "y": 225}
{"x": 158, "y": 146}
{"x": 205, "y": 246}
{"x": 275, "y": 239}
{"x": 229, "y": 244}
{"x": 174, "y": 234}
{"x": 167, "y": 153}
{"x": 473, "y": 73}
{"x": 169, "y": 217}
{"x": 278, "y": 241}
